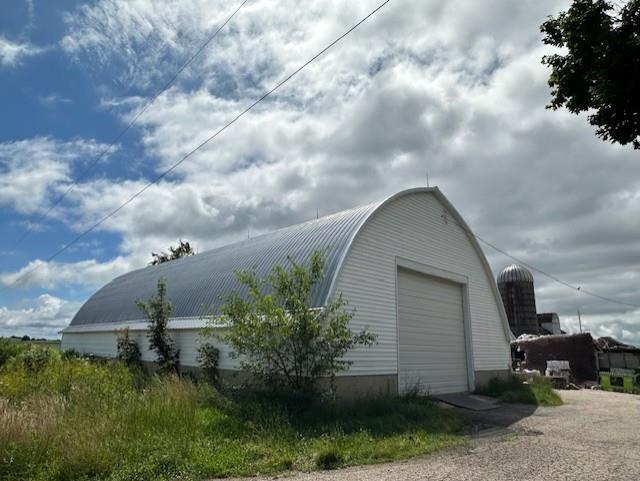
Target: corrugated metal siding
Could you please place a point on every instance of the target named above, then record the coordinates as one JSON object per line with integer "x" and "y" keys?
{"x": 413, "y": 227}
{"x": 195, "y": 285}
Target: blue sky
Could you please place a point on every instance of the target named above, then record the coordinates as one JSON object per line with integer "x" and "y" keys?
{"x": 455, "y": 90}
{"x": 48, "y": 95}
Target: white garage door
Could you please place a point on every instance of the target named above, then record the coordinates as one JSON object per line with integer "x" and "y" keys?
{"x": 432, "y": 353}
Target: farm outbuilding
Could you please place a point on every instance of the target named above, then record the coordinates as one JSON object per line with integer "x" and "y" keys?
{"x": 409, "y": 265}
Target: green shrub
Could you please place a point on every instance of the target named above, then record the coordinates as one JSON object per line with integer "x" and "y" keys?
{"x": 35, "y": 359}
{"x": 158, "y": 311}
{"x": 537, "y": 390}
{"x": 128, "y": 350}
{"x": 280, "y": 337}
{"x": 208, "y": 357}
{"x": 71, "y": 354}
{"x": 9, "y": 349}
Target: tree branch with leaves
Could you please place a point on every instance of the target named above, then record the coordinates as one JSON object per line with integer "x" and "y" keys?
{"x": 183, "y": 249}
{"x": 598, "y": 71}
{"x": 279, "y": 337}
{"x": 157, "y": 310}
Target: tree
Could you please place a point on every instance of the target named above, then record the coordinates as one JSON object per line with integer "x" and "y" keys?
{"x": 128, "y": 350}
{"x": 158, "y": 311}
{"x": 279, "y": 337}
{"x": 183, "y": 249}
{"x": 600, "y": 71}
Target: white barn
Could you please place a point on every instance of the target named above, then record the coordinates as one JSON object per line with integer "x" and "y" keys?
{"x": 409, "y": 265}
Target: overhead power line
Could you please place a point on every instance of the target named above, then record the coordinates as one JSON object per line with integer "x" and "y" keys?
{"x": 555, "y": 278}
{"x": 205, "y": 142}
{"x": 144, "y": 108}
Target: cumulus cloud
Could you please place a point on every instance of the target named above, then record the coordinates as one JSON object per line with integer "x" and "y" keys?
{"x": 50, "y": 275}
{"x": 451, "y": 88}
{"x": 13, "y": 53}
{"x": 45, "y": 315}
{"x": 625, "y": 329}
{"x": 33, "y": 172}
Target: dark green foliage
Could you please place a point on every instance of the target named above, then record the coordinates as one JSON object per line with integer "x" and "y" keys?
{"x": 537, "y": 390}
{"x": 128, "y": 350}
{"x": 71, "y": 354}
{"x": 279, "y": 337}
{"x": 158, "y": 311}
{"x": 183, "y": 249}
{"x": 35, "y": 358}
{"x": 328, "y": 458}
{"x": 600, "y": 71}
{"x": 208, "y": 357}
{"x": 9, "y": 349}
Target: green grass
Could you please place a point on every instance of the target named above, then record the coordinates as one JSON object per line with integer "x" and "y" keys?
{"x": 538, "y": 391}
{"x": 76, "y": 419}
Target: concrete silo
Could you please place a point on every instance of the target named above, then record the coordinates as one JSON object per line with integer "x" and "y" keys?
{"x": 515, "y": 284}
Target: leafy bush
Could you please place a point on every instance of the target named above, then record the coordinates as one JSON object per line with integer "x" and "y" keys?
{"x": 158, "y": 311}
{"x": 283, "y": 340}
{"x": 128, "y": 350}
{"x": 71, "y": 354}
{"x": 537, "y": 390}
{"x": 208, "y": 357}
{"x": 9, "y": 349}
{"x": 35, "y": 359}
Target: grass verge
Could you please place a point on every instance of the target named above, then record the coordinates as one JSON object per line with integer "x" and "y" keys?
{"x": 65, "y": 418}
{"x": 537, "y": 390}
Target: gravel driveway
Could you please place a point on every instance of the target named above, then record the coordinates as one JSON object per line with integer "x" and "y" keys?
{"x": 594, "y": 436}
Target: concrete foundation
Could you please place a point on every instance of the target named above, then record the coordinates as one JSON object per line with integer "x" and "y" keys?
{"x": 483, "y": 377}
{"x": 347, "y": 388}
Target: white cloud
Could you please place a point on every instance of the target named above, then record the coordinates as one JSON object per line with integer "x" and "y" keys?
{"x": 625, "y": 329}
{"x": 13, "y": 53}
{"x": 53, "y": 99}
{"x": 42, "y": 316}
{"x": 35, "y": 171}
{"x": 49, "y": 275}
{"x": 455, "y": 88}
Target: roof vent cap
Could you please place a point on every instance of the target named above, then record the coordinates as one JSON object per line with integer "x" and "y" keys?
{"x": 515, "y": 273}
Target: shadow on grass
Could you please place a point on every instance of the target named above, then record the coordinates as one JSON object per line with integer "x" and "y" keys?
{"x": 379, "y": 417}
{"x": 537, "y": 391}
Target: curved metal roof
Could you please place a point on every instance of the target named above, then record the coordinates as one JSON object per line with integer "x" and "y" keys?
{"x": 196, "y": 284}
{"x": 515, "y": 273}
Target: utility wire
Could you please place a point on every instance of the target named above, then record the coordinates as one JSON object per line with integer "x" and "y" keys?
{"x": 148, "y": 104}
{"x": 555, "y": 278}
{"x": 544, "y": 273}
{"x": 205, "y": 142}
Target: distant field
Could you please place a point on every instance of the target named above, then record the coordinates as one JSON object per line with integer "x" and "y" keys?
{"x": 53, "y": 343}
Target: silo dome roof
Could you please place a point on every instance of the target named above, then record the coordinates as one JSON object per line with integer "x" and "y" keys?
{"x": 515, "y": 273}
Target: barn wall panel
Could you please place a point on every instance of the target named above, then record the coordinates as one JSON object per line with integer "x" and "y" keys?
{"x": 104, "y": 344}
{"x": 416, "y": 227}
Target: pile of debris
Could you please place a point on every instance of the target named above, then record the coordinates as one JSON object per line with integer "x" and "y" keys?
{"x": 578, "y": 361}
{"x": 568, "y": 360}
